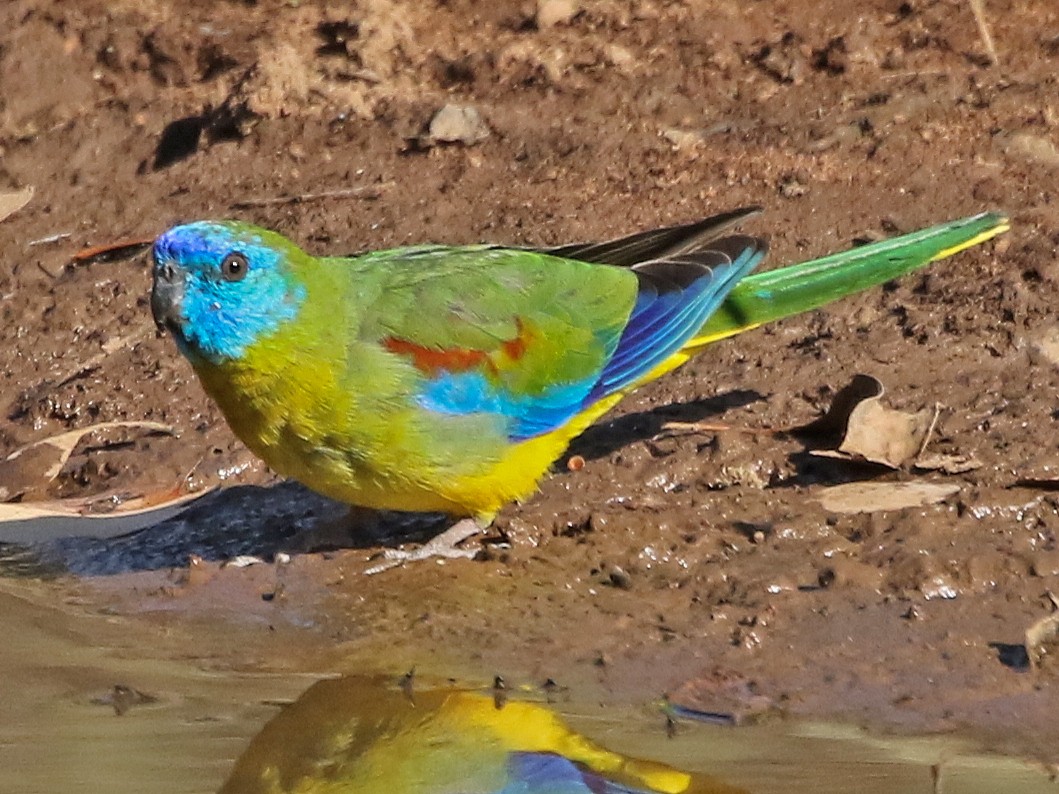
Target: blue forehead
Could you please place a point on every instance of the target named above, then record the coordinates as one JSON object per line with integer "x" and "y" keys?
{"x": 206, "y": 243}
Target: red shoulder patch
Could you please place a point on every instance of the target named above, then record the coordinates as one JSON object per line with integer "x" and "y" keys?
{"x": 431, "y": 361}
{"x": 460, "y": 359}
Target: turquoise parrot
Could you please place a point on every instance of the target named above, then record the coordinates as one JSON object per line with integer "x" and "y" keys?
{"x": 442, "y": 378}
{"x": 357, "y": 735}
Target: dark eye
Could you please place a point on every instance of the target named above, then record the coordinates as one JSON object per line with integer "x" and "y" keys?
{"x": 234, "y": 266}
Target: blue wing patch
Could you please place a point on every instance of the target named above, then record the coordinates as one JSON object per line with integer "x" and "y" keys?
{"x": 675, "y": 299}
{"x": 526, "y": 416}
{"x": 663, "y": 321}
{"x": 547, "y": 773}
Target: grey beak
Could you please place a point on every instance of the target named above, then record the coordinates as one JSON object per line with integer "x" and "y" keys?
{"x": 167, "y": 295}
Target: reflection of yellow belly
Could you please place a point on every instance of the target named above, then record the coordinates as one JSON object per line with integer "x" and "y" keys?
{"x": 364, "y": 735}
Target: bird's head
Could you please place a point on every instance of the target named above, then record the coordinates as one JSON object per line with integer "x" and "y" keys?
{"x": 221, "y": 286}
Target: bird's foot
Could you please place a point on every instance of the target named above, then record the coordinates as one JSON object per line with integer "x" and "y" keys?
{"x": 444, "y": 545}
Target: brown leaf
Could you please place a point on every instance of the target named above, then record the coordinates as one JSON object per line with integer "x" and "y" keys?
{"x": 870, "y": 431}
{"x": 36, "y": 464}
{"x": 33, "y": 522}
{"x": 872, "y": 497}
{"x": 835, "y": 421}
{"x": 1040, "y": 473}
{"x": 12, "y": 202}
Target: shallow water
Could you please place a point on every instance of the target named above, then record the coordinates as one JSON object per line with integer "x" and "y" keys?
{"x": 187, "y": 724}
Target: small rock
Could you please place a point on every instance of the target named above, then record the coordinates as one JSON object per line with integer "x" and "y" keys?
{"x": 1045, "y": 563}
{"x": 619, "y": 578}
{"x": 199, "y": 571}
{"x": 620, "y": 57}
{"x": 792, "y": 187}
{"x": 939, "y": 586}
{"x": 682, "y": 138}
{"x": 1032, "y": 149}
{"x": 556, "y": 12}
{"x": 242, "y": 561}
{"x": 122, "y": 698}
{"x": 1045, "y": 348}
{"x": 458, "y": 124}
{"x": 784, "y": 61}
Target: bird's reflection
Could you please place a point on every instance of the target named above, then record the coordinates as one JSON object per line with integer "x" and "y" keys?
{"x": 359, "y": 734}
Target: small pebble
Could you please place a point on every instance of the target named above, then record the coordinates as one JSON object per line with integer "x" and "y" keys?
{"x": 458, "y": 124}
{"x": 556, "y": 12}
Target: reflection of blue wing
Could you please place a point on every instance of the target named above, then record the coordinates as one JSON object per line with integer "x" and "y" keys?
{"x": 546, "y": 773}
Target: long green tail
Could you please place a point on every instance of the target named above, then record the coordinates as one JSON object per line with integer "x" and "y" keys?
{"x": 775, "y": 294}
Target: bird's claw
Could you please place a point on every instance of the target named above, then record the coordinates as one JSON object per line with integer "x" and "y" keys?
{"x": 444, "y": 546}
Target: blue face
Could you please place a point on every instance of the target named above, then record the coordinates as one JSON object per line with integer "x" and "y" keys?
{"x": 222, "y": 286}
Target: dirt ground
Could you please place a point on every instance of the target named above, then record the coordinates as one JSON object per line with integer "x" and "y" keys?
{"x": 699, "y": 564}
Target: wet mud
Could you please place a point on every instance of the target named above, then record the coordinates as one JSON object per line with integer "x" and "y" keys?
{"x": 706, "y": 563}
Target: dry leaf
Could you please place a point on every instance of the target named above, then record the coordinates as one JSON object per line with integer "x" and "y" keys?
{"x": 38, "y": 463}
{"x": 12, "y": 202}
{"x": 1042, "y": 473}
{"x": 1042, "y": 632}
{"x": 871, "y": 497}
{"x": 1044, "y": 483}
{"x": 835, "y": 421}
{"x": 947, "y": 464}
{"x": 870, "y": 431}
{"x": 35, "y": 522}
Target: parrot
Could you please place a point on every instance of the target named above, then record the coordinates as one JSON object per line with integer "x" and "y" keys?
{"x": 449, "y": 379}
{"x": 364, "y": 734}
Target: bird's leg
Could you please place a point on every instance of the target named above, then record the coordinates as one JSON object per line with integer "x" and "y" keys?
{"x": 443, "y": 545}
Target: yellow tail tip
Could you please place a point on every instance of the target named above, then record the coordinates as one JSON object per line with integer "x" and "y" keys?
{"x": 1003, "y": 224}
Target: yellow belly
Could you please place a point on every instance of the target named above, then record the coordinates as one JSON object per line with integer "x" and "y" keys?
{"x": 264, "y": 424}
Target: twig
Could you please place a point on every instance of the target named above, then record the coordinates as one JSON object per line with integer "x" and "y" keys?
{"x": 983, "y": 29}
{"x": 369, "y": 193}
{"x": 51, "y": 238}
{"x": 683, "y": 428}
{"x": 111, "y": 251}
{"x": 930, "y": 431}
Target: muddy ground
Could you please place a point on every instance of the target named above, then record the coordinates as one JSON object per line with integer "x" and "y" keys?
{"x": 699, "y": 563}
